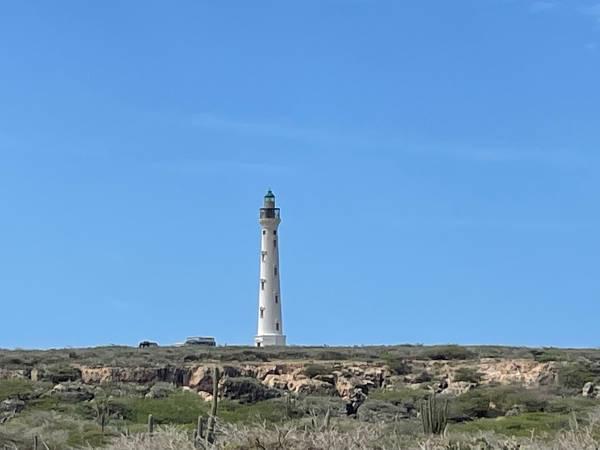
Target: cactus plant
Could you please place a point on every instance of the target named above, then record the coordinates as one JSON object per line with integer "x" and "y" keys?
{"x": 434, "y": 416}
{"x": 210, "y": 431}
{"x": 150, "y": 423}
{"x": 327, "y": 420}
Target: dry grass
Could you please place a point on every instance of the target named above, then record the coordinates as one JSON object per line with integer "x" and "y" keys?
{"x": 358, "y": 437}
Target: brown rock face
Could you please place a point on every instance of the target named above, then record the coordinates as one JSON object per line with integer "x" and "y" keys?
{"x": 344, "y": 379}
{"x": 309, "y": 386}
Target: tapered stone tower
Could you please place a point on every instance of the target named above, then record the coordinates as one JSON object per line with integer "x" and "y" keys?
{"x": 270, "y": 323}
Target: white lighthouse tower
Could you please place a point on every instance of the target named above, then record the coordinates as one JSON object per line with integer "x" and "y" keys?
{"x": 270, "y": 323}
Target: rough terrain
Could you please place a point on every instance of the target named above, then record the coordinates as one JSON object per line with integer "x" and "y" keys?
{"x": 94, "y": 395}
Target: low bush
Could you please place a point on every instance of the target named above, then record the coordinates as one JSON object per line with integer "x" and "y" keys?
{"x": 495, "y": 401}
{"x": 178, "y": 408}
{"x": 15, "y": 388}
{"x": 575, "y": 375}
{"x": 399, "y": 366}
{"x": 312, "y": 370}
{"x": 468, "y": 374}
{"x": 331, "y": 355}
{"x": 60, "y": 374}
{"x": 521, "y": 425}
{"x": 423, "y": 377}
{"x": 317, "y": 405}
{"x": 275, "y": 411}
{"x": 400, "y": 396}
{"x": 447, "y": 353}
{"x": 380, "y": 411}
{"x": 247, "y": 390}
{"x": 548, "y": 355}
{"x": 246, "y": 355}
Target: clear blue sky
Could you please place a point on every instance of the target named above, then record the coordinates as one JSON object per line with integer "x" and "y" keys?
{"x": 436, "y": 163}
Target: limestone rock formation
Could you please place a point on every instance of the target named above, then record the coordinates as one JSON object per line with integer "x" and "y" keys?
{"x": 247, "y": 390}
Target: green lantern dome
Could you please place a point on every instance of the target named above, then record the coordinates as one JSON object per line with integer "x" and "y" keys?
{"x": 270, "y": 195}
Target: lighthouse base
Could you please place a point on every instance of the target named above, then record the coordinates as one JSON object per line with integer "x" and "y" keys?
{"x": 269, "y": 340}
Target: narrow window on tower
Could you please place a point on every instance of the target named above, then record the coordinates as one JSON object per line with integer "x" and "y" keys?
{"x": 276, "y": 298}
{"x": 262, "y": 312}
{"x": 275, "y": 270}
{"x": 274, "y": 242}
{"x": 262, "y": 285}
{"x": 275, "y": 232}
{"x": 264, "y": 256}
{"x": 264, "y": 231}
{"x": 277, "y": 326}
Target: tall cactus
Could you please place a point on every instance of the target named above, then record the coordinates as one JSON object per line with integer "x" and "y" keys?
{"x": 210, "y": 431}
{"x": 434, "y": 416}
{"x": 150, "y": 423}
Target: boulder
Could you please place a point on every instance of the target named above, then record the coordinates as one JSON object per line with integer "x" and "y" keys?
{"x": 457, "y": 388}
{"x": 326, "y": 378}
{"x": 72, "y": 392}
{"x": 247, "y": 390}
{"x": 56, "y": 375}
{"x": 347, "y": 386}
{"x": 278, "y": 381}
{"x": 14, "y": 374}
{"x": 12, "y": 405}
{"x": 312, "y": 386}
{"x": 201, "y": 379}
{"x": 590, "y": 390}
{"x": 205, "y": 396}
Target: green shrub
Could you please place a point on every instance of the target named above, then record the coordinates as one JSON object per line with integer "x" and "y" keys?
{"x": 312, "y": 370}
{"x": 320, "y": 405}
{"x": 423, "y": 377}
{"x": 246, "y": 355}
{"x": 399, "y": 366}
{"x": 273, "y": 410}
{"x": 494, "y": 401}
{"x": 331, "y": 355}
{"x": 178, "y": 408}
{"x": 15, "y": 388}
{"x": 548, "y": 355}
{"x": 574, "y": 376}
{"x": 468, "y": 374}
{"x": 521, "y": 425}
{"x": 447, "y": 353}
{"x": 60, "y": 374}
{"x": 400, "y": 396}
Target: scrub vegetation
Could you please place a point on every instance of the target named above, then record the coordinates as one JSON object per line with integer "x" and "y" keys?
{"x": 335, "y": 398}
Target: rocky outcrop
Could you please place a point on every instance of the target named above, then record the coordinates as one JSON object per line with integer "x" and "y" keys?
{"x": 72, "y": 392}
{"x": 12, "y": 405}
{"x": 591, "y": 390}
{"x": 246, "y": 390}
{"x": 518, "y": 371}
{"x": 340, "y": 379}
{"x": 179, "y": 376}
{"x": 15, "y": 374}
{"x": 308, "y": 386}
{"x": 9, "y": 408}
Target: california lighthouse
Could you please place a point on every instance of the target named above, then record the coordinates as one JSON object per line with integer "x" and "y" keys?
{"x": 270, "y": 323}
